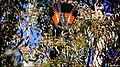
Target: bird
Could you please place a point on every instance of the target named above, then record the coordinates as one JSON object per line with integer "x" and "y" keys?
{"x": 62, "y": 15}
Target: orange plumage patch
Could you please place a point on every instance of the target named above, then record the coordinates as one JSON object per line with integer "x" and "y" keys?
{"x": 56, "y": 18}
{"x": 69, "y": 17}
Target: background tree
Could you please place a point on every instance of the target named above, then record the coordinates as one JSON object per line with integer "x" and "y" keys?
{"x": 90, "y": 41}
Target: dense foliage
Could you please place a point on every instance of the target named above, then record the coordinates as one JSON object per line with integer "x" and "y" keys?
{"x": 26, "y": 35}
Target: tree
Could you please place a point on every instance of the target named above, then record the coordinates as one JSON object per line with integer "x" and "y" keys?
{"x": 90, "y": 40}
